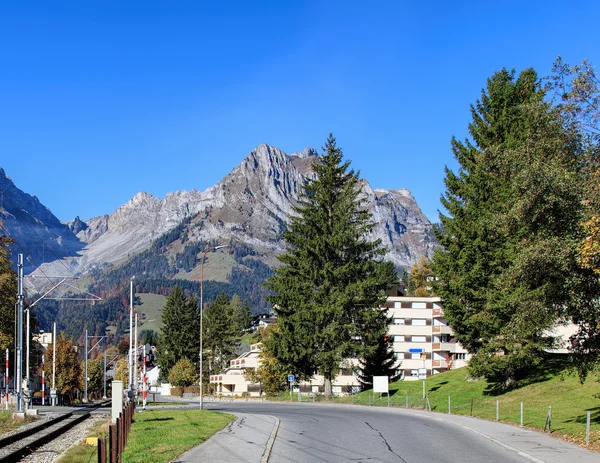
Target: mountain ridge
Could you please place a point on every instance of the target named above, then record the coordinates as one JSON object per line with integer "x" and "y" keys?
{"x": 251, "y": 204}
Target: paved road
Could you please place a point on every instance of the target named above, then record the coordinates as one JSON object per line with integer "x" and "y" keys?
{"x": 335, "y": 433}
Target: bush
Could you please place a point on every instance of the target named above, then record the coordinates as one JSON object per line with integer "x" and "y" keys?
{"x": 177, "y": 391}
{"x": 183, "y": 373}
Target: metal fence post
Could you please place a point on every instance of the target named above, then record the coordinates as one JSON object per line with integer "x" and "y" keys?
{"x": 521, "y": 421}
{"x": 448, "y": 405}
{"x": 496, "y": 409}
{"x": 587, "y": 429}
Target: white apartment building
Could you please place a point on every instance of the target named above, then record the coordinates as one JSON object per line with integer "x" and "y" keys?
{"x": 422, "y": 339}
{"x": 421, "y": 336}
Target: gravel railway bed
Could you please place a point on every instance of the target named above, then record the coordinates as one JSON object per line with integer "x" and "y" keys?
{"x": 14, "y": 447}
{"x": 53, "y": 450}
{"x": 45, "y": 439}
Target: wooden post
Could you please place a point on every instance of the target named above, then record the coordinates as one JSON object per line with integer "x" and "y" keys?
{"x": 101, "y": 450}
{"x": 120, "y": 436}
{"x": 113, "y": 442}
{"x": 471, "y": 411}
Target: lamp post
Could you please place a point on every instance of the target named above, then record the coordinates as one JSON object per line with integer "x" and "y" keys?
{"x": 130, "y": 357}
{"x": 202, "y": 315}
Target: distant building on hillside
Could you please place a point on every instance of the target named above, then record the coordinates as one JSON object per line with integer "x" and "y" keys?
{"x": 422, "y": 340}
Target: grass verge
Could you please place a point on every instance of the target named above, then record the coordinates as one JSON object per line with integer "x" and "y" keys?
{"x": 7, "y": 423}
{"x": 82, "y": 453}
{"x": 162, "y": 435}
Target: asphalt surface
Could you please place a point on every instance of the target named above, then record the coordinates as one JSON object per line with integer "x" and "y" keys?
{"x": 337, "y": 433}
{"x": 293, "y": 432}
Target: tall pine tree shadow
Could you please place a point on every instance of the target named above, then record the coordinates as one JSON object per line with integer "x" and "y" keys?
{"x": 550, "y": 366}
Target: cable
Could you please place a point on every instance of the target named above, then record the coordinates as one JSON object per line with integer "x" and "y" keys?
{"x": 36, "y": 233}
{"x": 28, "y": 256}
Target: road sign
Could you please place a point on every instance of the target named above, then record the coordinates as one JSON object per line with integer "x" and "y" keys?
{"x": 291, "y": 378}
{"x": 415, "y": 350}
{"x": 422, "y": 371}
{"x": 422, "y": 377}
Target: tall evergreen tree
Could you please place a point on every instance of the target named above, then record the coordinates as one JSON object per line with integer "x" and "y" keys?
{"x": 508, "y": 260}
{"x": 180, "y": 331}
{"x": 382, "y": 362}
{"x": 221, "y": 334}
{"x": 331, "y": 283}
{"x": 241, "y": 313}
{"x": 8, "y": 293}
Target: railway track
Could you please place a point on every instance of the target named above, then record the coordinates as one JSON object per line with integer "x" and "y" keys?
{"x": 16, "y": 446}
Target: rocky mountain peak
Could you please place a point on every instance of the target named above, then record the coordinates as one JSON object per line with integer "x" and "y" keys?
{"x": 36, "y": 230}
{"x": 250, "y": 205}
{"x": 77, "y": 225}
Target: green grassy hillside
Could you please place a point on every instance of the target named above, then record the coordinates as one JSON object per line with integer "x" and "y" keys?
{"x": 151, "y": 308}
{"x": 551, "y": 385}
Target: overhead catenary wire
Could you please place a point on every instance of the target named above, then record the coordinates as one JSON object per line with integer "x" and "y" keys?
{"x": 24, "y": 219}
{"x": 39, "y": 267}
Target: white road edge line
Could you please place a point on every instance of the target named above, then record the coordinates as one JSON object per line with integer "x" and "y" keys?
{"x": 496, "y": 441}
{"x": 270, "y": 442}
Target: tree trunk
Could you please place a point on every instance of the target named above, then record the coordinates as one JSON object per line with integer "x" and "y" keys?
{"x": 327, "y": 386}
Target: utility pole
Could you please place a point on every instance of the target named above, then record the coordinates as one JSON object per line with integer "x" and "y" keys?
{"x": 135, "y": 378}
{"x": 27, "y": 379}
{"x": 19, "y": 375}
{"x": 85, "y": 352}
{"x": 43, "y": 381}
{"x": 6, "y": 383}
{"x": 104, "y": 395}
{"x": 53, "y": 395}
{"x": 201, "y": 317}
{"x": 130, "y": 359}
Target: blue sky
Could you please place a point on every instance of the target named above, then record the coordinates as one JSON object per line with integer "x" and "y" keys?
{"x": 100, "y": 100}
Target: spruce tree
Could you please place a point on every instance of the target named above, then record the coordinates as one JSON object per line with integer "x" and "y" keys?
{"x": 8, "y": 292}
{"x": 327, "y": 292}
{"x": 221, "y": 335}
{"x": 382, "y": 362}
{"x": 180, "y": 332}
{"x": 508, "y": 262}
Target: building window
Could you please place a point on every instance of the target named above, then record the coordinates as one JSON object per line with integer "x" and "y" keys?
{"x": 419, "y": 305}
{"x": 398, "y": 338}
{"x": 418, "y": 339}
{"x": 415, "y": 356}
{"x": 418, "y": 322}
{"x": 398, "y": 321}
{"x": 462, "y": 356}
{"x": 414, "y": 372}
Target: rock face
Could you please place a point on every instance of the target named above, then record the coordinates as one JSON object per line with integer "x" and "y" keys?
{"x": 251, "y": 205}
{"x": 30, "y": 223}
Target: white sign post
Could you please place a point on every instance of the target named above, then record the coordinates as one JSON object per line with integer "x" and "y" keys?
{"x": 380, "y": 384}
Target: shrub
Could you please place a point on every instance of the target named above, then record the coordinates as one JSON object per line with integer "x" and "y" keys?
{"x": 183, "y": 373}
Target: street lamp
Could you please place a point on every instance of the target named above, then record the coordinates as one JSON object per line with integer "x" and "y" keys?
{"x": 202, "y": 314}
{"x": 130, "y": 357}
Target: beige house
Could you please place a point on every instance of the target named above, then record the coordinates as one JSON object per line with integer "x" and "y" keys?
{"x": 422, "y": 339}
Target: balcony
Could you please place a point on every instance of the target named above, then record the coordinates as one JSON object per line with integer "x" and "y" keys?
{"x": 441, "y": 329}
{"x": 439, "y": 364}
{"x": 446, "y": 346}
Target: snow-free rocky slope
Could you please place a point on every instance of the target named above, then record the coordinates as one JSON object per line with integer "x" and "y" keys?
{"x": 250, "y": 205}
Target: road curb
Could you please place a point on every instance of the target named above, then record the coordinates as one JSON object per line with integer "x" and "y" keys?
{"x": 270, "y": 442}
